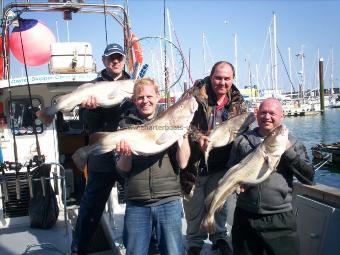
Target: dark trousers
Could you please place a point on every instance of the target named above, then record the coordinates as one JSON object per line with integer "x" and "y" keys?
{"x": 259, "y": 234}
{"x": 97, "y": 192}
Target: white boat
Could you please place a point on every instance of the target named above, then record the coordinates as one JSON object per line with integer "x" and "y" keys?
{"x": 334, "y": 102}
{"x": 299, "y": 107}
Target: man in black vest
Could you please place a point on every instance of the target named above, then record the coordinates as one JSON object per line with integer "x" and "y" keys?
{"x": 152, "y": 183}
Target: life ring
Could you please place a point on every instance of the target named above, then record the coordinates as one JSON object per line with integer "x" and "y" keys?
{"x": 137, "y": 49}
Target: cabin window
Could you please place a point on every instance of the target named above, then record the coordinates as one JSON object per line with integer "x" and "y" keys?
{"x": 24, "y": 116}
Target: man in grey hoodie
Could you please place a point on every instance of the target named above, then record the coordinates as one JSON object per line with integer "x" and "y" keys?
{"x": 263, "y": 221}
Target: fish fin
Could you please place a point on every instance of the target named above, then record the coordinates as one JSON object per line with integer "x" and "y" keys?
{"x": 126, "y": 90}
{"x": 97, "y": 136}
{"x": 180, "y": 141}
{"x": 264, "y": 173}
{"x": 79, "y": 157}
{"x": 206, "y": 153}
{"x": 85, "y": 85}
{"x": 272, "y": 162}
{"x": 113, "y": 94}
{"x": 165, "y": 137}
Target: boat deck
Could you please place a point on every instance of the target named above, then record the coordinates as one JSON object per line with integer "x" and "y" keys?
{"x": 18, "y": 238}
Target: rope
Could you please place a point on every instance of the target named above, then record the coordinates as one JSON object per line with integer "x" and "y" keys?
{"x": 285, "y": 67}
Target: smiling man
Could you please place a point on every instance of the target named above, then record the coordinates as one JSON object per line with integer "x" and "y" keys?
{"x": 264, "y": 222}
{"x": 218, "y": 100}
{"x": 152, "y": 183}
{"x": 102, "y": 174}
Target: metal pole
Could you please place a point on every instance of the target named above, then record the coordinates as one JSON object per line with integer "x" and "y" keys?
{"x": 235, "y": 65}
{"x": 322, "y": 104}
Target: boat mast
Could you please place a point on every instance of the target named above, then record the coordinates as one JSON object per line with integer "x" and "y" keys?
{"x": 235, "y": 56}
{"x": 275, "y": 54}
{"x": 302, "y": 73}
{"x": 290, "y": 72}
{"x": 271, "y": 73}
{"x": 204, "y": 57}
{"x": 332, "y": 70}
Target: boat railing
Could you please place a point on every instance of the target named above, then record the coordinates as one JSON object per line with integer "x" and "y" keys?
{"x": 13, "y": 10}
{"x": 58, "y": 178}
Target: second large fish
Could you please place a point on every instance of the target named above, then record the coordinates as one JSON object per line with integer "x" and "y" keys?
{"x": 226, "y": 132}
{"x": 147, "y": 139}
{"x": 253, "y": 169}
{"x": 107, "y": 93}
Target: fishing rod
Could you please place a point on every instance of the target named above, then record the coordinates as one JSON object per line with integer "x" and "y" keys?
{"x": 40, "y": 157}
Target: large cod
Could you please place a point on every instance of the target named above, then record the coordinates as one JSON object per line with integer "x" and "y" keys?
{"x": 227, "y": 131}
{"x": 253, "y": 169}
{"x": 148, "y": 139}
{"x": 107, "y": 93}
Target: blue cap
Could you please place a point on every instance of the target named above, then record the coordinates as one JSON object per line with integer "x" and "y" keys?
{"x": 112, "y": 49}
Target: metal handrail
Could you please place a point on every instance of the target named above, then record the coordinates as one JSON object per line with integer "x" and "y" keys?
{"x": 116, "y": 11}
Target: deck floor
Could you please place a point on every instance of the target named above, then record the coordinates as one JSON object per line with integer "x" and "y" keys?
{"x": 16, "y": 240}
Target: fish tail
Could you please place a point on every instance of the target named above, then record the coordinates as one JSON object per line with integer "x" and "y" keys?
{"x": 79, "y": 157}
{"x": 46, "y": 115}
{"x": 208, "y": 224}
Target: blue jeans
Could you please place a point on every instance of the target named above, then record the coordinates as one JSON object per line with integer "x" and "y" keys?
{"x": 97, "y": 192}
{"x": 165, "y": 219}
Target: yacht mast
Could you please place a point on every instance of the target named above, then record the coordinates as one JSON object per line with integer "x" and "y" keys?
{"x": 275, "y": 54}
{"x": 302, "y": 73}
{"x": 235, "y": 63}
{"x": 204, "y": 57}
{"x": 332, "y": 70}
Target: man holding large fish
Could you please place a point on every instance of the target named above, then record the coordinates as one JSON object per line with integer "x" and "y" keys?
{"x": 101, "y": 171}
{"x": 263, "y": 221}
{"x": 152, "y": 182}
{"x": 218, "y": 100}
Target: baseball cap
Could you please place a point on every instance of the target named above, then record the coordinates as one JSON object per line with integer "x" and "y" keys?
{"x": 112, "y": 49}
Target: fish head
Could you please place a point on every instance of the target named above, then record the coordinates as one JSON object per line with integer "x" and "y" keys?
{"x": 246, "y": 119}
{"x": 240, "y": 123}
{"x": 277, "y": 139}
{"x": 180, "y": 114}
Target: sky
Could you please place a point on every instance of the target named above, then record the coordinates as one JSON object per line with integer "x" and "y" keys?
{"x": 309, "y": 26}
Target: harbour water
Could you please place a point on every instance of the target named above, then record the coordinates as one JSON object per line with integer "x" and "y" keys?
{"x": 312, "y": 130}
